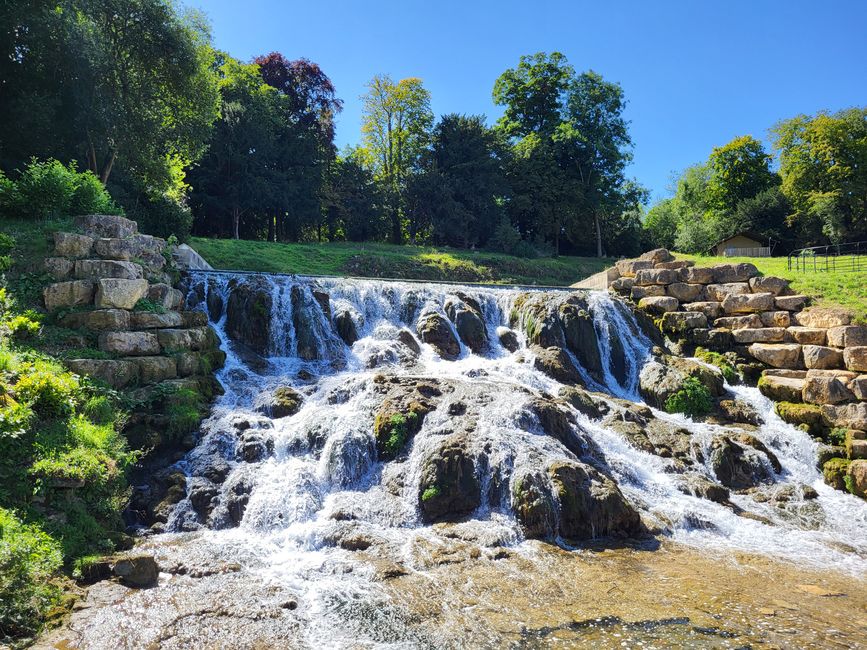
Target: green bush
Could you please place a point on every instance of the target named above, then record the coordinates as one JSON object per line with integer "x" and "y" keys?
{"x": 99, "y": 409}
{"x": 29, "y": 559}
{"x": 49, "y": 190}
{"x": 184, "y": 409}
{"x": 720, "y": 361}
{"x": 7, "y": 243}
{"x": 692, "y": 399}
{"x": 48, "y": 389}
{"x": 22, "y": 327}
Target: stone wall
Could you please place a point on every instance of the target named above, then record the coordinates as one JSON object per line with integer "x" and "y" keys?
{"x": 814, "y": 360}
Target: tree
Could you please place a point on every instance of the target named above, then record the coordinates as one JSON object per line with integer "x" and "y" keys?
{"x": 532, "y": 94}
{"x": 823, "y": 165}
{"x": 396, "y": 129}
{"x": 661, "y": 224}
{"x": 465, "y": 158}
{"x": 596, "y": 147}
{"x": 739, "y": 170}
{"x": 353, "y": 202}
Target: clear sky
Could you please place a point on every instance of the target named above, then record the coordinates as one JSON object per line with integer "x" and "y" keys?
{"x": 696, "y": 74}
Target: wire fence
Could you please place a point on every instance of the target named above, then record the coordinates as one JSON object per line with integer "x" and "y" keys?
{"x": 829, "y": 259}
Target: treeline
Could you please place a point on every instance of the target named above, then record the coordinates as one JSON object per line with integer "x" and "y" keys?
{"x": 816, "y": 196}
{"x": 185, "y": 137}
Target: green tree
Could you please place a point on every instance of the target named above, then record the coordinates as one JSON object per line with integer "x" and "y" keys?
{"x": 532, "y": 94}
{"x": 823, "y": 165}
{"x": 353, "y": 201}
{"x": 661, "y": 224}
{"x": 739, "y": 170}
{"x": 396, "y": 129}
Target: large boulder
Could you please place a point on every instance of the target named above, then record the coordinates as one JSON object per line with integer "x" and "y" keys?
{"x": 822, "y": 357}
{"x": 781, "y": 389}
{"x": 308, "y": 309}
{"x": 656, "y": 276}
{"x": 99, "y": 320}
{"x": 402, "y": 412}
{"x": 777, "y": 355}
{"x": 449, "y": 486}
{"x": 67, "y": 244}
{"x": 96, "y": 269}
{"x": 534, "y": 506}
{"x": 658, "y": 305}
{"x": 846, "y": 416}
{"x": 117, "y": 373}
{"x": 855, "y": 358}
{"x": 466, "y": 314}
{"x": 127, "y": 344}
{"x": 824, "y": 317}
{"x": 628, "y": 268}
{"x": 590, "y": 504}
{"x": 656, "y": 256}
{"x": 696, "y": 275}
{"x": 68, "y": 294}
{"x": 106, "y": 225}
{"x": 344, "y": 323}
{"x": 857, "y": 475}
{"x": 508, "y": 338}
{"x": 769, "y": 284}
{"x": 734, "y": 272}
{"x": 116, "y": 293}
{"x": 826, "y": 390}
{"x": 435, "y": 330}
{"x": 848, "y": 336}
{"x": 580, "y": 334}
{"x": 742, "y": 462}
{"x": 248, "y": 314}
{"x": 137, "y": 570}
{"x": 748, "y": 303}
{"x": 283, "y": 402}
{"x": 664, "y": 375}
{"x": 555, "y": 363}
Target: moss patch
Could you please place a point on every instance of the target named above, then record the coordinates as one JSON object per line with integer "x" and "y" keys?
{"x": 834, "y": 473}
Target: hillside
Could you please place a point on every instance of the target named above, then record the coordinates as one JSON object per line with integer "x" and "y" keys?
{"x": 389, "y": 261}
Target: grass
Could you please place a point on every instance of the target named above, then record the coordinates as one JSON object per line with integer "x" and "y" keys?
{"x": 830, "y": 289}
{"x": 390, "y": 261}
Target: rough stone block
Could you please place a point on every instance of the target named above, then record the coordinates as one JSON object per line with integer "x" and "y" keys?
{"x": 58, "y": 268}
{"x": 681, "y": 321}
{"x": 623, "y": 285}
{"x": 718, "y": 292}
{"x": 68, "y": 294}
{"x": 822, "y": 358}
{"x": 146, "y": 320}
{"x": 188, "y": 363}
{"x": 686, "y": 292}
{"x": 676, "y": 264}
{"x": 99, "y": 320}
{"x": 657, "y": 256}
{"x": 155, "y": 369}
{"x": 826, "y": 390}
{"x": 768, "y": 284}
{"x": 656, "y": 276}
{"x": 859, "y": 386}
{"x": 825, "y": 317}
{"x": 739, "y": 322}
{"x": 847, "y": 336}
{"x": 776, "y": 318}
{"x": 848, "y": 416}
{"x": 855, "y": 358}
{"x": 628, "y": 268}
{"x": 120, "y": 294}
{"x": 696, "y": 275}
{"x": 761, "y": 335}
{"x": 106, "y": 225}
{"x": 97, "y": 269}
{"x": 173, "y": 340}
{"x": 785, "y": 372}
{"x": 163, "y": 294}
{"x": 68, "y": 244}
{"x": 711, "y": 309}
{"x": 781, "y": 389}
{"x": 129, "y": 344}
{"x": 116, "y": 249}
{"x": 194, "y": 318}
{"x": 777, "y": 355}
{"x": 745, "y": 303}
{"x": 117, "y": 373}
{"x": 807, "y": 335}
{"x": 658, "y": 304}
{"x": 723, "y": 273}
{"x": 790, "y": 303}
{"x": 637, "y": 293}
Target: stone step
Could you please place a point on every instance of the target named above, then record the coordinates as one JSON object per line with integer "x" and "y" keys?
{"x": 69, "y": 244}
{"x": 99, "y": 320}
{"x": 98, "y": 269}
{"x": 761, "y": 335}
{"x": 129, "y": 343}
{"x": 807, "y": 335}
{"x": 778, "y": 355}
{"x": 106, "y": 225}
{"x": 115, "y": 293}
{"x": 72, "y": 293}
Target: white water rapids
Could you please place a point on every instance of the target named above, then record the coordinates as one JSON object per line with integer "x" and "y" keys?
{"x": 324, "y": 468}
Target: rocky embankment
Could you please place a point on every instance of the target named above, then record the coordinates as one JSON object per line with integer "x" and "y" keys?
{"x": 812, "y": 360}
{"x": 115, "y": 287}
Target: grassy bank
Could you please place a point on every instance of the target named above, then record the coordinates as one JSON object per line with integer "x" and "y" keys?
{"x": 389, "y": 261}
{"x": 835, "y": 288}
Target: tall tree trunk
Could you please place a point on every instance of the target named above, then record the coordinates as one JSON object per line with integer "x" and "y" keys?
{"x": 271, "y": 228}
{"x": 236, "y": 221}
{"x": 106, "y": 171}
{"x": 598, "y": 234}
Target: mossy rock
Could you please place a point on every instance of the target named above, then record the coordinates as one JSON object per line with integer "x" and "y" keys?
{"x": 834, "y": 472}
{"x": 803, "y": 415}
{"x": 286, "y": 401}
{"x": 393, "y": 430}
{"x": 725, "y": 363}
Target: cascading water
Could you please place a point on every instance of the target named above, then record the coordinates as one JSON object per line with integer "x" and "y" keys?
{"x": 292, "y": 495}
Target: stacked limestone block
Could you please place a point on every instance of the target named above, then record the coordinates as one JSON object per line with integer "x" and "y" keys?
{"x": 816, "y": 357}
{"x": 104, "y": 274}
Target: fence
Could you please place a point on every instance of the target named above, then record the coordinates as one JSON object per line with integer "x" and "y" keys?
{"x": 835, "y": 257}
{"x": 761, "y": 251}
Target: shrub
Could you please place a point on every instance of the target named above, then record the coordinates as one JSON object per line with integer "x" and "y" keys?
{"x": 692, "y": 399}
{"x": 7, "y": 243}
{"x": 720, "y": 361}
{"x": 29, "y": 558}
{"x": 99, "y": 409}
{"x": 21, "y": 327}
{"x": 48, "y": 390}
{"x": 184, "y": 411}
{"x": 431, "y": 492}
{"x": 48, "y": 190}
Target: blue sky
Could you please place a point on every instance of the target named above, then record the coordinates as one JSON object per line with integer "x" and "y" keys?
{"x": 696, "y": 74}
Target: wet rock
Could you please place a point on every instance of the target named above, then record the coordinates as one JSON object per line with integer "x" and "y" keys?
{"x": 214, "y": 302}
{"x": 534, "y": 505}
{"x": 449, "y": 486}
{"x": 435, "y": 330}
{"x": 248, "y": 314}
{"x": 834, "y": 473}
{"x": 736, "y": 410}
{"x": 555, "y": 363}
{"x": 536, "y": 314}
{"x": 580, "y": 335}
{"x": 344, "y": 323}
{"x": 238, "y": 490}
{"x": 664, "y": 376}
{"x": 469, "y": 322}
{"x": 254, "y": 446}
{"x": 284, "y": 401}
{"x": 401, "y": 414}
{"x": 202, "y": 496}
{"x": 137, "y": 570}
{"x": 508, "y": 338}
{"x": 406, "y": 337}
{"x": 303, "y": 319}
{"x": 583, "y": 401}
{"x": 742, "y": 462}
{"x": 590, "y": 504}
{"x": 702, "y": 487}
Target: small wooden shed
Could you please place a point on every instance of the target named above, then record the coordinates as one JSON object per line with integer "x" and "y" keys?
{"x": 742, "y": 244}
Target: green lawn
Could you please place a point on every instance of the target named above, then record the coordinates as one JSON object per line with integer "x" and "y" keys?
{"x": 835, "y": 288}
{"x": 389, "y": 261}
